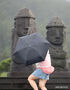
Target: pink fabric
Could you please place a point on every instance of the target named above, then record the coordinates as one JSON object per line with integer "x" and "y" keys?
{"x": 46, "y": 64}
{"x": 47, "y": 61}
{"x": 48, "y": 70}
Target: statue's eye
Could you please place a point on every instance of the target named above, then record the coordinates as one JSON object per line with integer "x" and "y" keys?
{"x": 51, "y": 33}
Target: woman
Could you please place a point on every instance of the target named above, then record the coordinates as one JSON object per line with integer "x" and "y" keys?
{"x": 39, "y": 74}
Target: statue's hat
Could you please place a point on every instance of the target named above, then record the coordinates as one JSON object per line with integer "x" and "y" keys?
{"x": 25, "y": 13}
{"x": 55, "y": 22}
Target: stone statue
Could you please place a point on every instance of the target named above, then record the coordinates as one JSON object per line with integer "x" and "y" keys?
{"x": 24, "y": 24}
{"x": 56, "y": 36}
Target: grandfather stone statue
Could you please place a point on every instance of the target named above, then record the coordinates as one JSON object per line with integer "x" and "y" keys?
{"x": 56, "y": 36}
{"x": 24, "y": 24}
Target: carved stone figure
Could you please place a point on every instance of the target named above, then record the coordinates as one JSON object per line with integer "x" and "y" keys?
{"x": 56, "y": 36}
{"x": 24, "y": 24}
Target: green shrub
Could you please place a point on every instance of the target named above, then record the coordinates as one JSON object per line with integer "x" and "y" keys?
{"x": 4, "y": 74}
{"x": 5, "y": 65}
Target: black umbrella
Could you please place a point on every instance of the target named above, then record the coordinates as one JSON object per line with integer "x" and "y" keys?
{"x": 31, "y": 49}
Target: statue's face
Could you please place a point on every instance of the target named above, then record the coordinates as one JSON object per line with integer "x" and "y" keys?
{"x": 22, "y": 25}
{"x": 55, "y": 35}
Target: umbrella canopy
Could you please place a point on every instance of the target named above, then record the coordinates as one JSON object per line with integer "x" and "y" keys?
{"x": 31, "y": 49}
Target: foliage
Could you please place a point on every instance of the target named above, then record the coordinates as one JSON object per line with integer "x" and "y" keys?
{"x": 4, "y": 74}
{"x": 5, "y": 65}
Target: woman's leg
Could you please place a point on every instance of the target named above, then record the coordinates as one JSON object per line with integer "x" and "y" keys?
{"x": 32, "y": 82}
{"x": 42, "y": 83}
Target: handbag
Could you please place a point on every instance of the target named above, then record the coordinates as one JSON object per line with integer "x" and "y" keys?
{"x": 46, "y": 66}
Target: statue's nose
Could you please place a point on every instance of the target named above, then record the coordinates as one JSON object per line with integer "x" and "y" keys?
{"x": 57, "y": 35}
{"x": 26, "y": 28}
